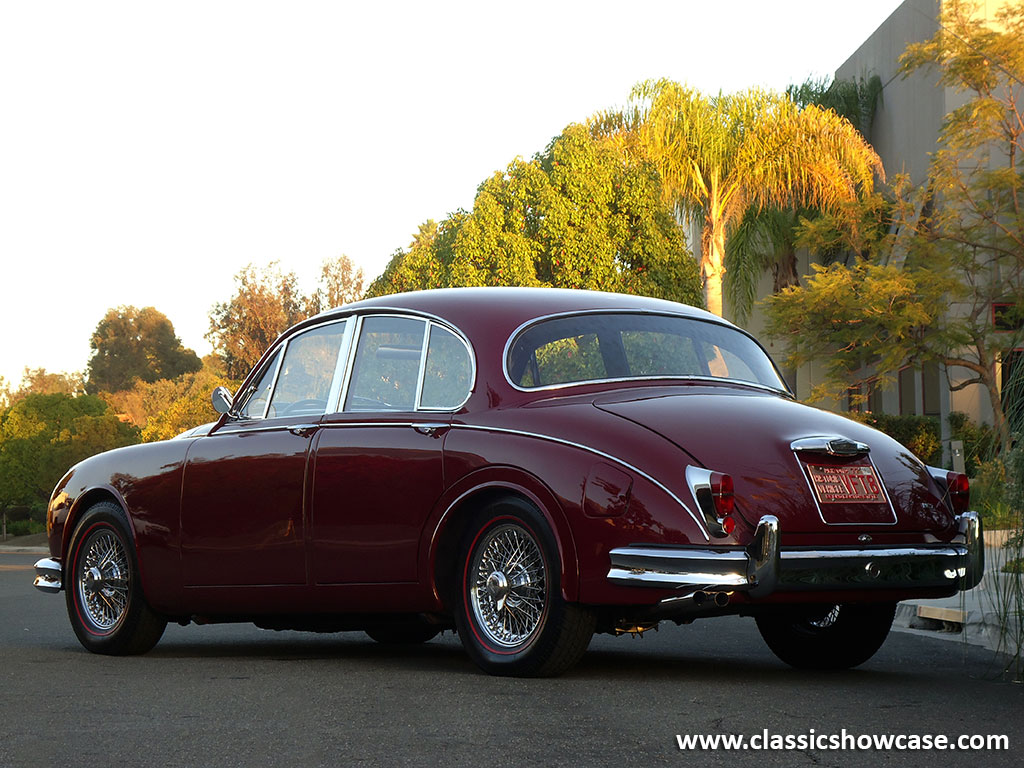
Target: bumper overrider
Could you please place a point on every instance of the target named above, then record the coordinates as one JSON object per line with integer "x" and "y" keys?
{"x": 765, "y": 567}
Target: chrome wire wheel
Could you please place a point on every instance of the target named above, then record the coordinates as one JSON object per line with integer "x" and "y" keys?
{"x": 828, "y": 619}
{"x": 508, "y": 586}
{"x": 102, "y": 580}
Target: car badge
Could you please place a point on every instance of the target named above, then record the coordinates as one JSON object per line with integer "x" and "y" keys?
{"x": 864, "y": 538}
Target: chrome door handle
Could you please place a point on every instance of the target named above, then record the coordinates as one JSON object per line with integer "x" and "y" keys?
{"x": 304, "y": 430}
{"x": 433, "y": 430}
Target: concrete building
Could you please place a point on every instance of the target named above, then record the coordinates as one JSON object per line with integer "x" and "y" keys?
{"x": 905, "y": 132}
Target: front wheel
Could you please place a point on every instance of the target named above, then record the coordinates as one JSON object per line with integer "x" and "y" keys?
{"x": 510, "y": 615}
{"x": 829, "y": 636}
{"x": 106, "y": 606}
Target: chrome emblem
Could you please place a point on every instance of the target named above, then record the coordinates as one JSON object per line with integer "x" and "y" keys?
{"x": 864, "y": 538}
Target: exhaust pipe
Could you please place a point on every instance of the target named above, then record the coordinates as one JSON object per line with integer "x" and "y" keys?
{"x": 703, "y": 598}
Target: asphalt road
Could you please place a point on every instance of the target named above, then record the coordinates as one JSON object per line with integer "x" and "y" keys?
{"x": 232, "y": 695}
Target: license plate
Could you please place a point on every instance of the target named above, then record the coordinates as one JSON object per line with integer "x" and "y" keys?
{"x": 846, "y": 485}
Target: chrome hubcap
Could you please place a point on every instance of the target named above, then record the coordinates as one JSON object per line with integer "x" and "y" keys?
{"x": 103, "y": 580}
{"x": 508, "y": 588}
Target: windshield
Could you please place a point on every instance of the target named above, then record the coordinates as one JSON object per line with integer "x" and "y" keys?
{"x": 598, "y": 346}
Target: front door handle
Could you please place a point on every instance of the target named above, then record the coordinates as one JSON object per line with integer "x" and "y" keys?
{"x": 304, "y": 430}
{"x": 433, "y": 430}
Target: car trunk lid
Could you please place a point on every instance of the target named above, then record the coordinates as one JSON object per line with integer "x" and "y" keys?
{"x": 814, "y": 470}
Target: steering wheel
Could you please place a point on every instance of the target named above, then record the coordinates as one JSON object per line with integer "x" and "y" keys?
{"x": 305, "y": 405}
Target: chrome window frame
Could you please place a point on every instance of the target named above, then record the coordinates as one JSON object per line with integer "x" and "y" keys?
{"x": 282, "y": 350}
{"x": 648, "y": 312}
{"x": 429, "y": 323}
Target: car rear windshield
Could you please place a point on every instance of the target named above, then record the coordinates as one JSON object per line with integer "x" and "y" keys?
{"x": 600, "y": 346}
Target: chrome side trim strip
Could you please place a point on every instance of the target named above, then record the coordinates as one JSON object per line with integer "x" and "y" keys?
{"x": 596, "y": 452}
{"x": 48, "y": 576}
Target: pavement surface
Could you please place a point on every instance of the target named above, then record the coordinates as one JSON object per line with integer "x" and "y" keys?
{"x": 234, "y": 695}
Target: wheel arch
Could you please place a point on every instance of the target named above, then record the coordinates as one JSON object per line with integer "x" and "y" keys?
{"x": 458, "y": 510}
{"x": 85, "y": 501}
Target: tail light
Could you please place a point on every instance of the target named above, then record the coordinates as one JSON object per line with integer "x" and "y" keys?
{"x": 956, "y": 489}
{"x": 959, "y": 489}
{"x": 713, "y": 492}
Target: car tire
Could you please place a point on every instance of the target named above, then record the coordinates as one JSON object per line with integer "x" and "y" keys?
{"x": 107, "y": 608}
{"x": 510, "y": 614}
{"x": 827, "y": 637}
{"x": 404, "y": 633}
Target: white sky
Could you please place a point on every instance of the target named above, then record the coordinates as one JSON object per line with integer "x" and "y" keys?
{"x": 150, "y": 151}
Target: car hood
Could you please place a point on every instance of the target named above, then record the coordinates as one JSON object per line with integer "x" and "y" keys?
{"x": 749, "y": 434}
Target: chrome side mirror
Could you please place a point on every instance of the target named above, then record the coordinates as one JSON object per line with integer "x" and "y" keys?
{"x": 221, "y": 398}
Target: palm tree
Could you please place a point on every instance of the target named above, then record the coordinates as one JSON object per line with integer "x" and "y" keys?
{"x": 728, "y": 157}
{"x": 766, "y": 240}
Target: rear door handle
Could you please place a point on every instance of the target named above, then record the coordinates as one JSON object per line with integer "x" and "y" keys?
{"x": 304, "y": 430}
{"x": 433, "y": 430}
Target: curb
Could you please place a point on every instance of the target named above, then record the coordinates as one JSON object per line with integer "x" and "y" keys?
{"x": 6, "y": 549}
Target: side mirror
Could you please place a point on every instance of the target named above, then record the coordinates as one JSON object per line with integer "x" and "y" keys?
{"x": 221, "y": 398}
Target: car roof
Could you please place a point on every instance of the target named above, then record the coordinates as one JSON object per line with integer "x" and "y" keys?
{"x": 504, "y": 309}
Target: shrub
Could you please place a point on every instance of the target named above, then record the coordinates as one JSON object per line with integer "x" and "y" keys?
{"x": 981, "y": 442}
{"x": 918, "y": 433}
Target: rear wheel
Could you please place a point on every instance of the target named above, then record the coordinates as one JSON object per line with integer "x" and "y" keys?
{"x": 511, "y": 617}
{"x": 829, "y": 636}
{"x": 105, "y": 602}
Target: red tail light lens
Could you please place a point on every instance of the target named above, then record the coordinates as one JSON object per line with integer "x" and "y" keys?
{"x": 959, "y": 488}
{"x": 721, "y": 492}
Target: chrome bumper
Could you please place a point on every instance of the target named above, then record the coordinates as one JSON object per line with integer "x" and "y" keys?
{"x": 48, "y": 575}
{"x": 764, "y": 567}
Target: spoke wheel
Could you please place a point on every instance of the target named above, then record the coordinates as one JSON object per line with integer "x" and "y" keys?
{"x": 101, "y": 578}
{"x": 509, "y": 588}
{"x": 106, "y": 605}
{"x": 829, "y": 636}
{"x": 511, "y": 617}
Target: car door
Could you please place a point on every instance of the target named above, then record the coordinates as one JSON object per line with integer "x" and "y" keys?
{"x": 378, "y": 470}
{"x": 244, "y": 510}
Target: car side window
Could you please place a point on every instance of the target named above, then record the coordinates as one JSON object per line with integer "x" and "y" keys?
{"x": 446, "y": 380}
{"x": 386, "y": 369}
{"x": 256, "y": 405}
{"x": 307, "y": 372}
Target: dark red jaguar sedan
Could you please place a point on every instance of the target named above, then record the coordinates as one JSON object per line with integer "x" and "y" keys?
{"x": 525, "y": 466}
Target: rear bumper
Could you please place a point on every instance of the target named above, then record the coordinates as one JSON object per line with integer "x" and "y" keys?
{"x": 765, "y": 567}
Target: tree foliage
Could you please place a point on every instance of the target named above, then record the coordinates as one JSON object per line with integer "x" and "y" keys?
{"x": 39, "y": 381}
{"x": 767, "y": 239}
{"x": 725, "y": 157}
{"x": 42, "y": 435}
{"x": 130, "y": 344}
{"x": 267, "y": 302}
{"x": 960, "y": 249}
{"x": 582, "y": 214}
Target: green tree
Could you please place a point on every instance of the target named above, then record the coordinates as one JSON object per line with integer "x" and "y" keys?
{"x": 191, "y": 406}
{"x": 341, "y": 282}
{"x": 266, "y": 303}
{"x": 582, "y": 214}
{"x": 722, "y": 158}
{"x": 767, "y": 239}
{"x": 130, "y": 344}
{"x": 39, "y": 381}
{"x": 959, "y": 255}
{"x": 42, "y": 435}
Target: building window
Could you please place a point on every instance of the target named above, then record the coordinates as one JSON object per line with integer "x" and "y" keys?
{"x": 1006, "y": 317}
